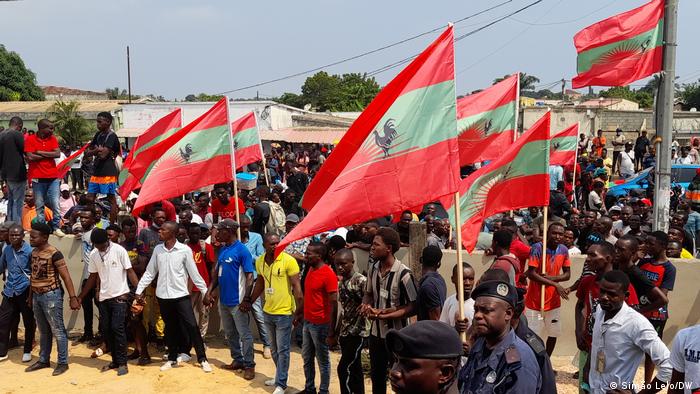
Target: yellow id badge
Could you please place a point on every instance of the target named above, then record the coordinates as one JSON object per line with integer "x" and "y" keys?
{"x": 270, "y": 291}
{"x": 600, "y": 361}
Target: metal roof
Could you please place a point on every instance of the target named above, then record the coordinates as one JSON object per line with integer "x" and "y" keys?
{"x": 43, "y": 106}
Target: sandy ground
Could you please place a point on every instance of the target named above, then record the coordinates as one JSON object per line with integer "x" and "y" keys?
{"x": 84, "y": 374}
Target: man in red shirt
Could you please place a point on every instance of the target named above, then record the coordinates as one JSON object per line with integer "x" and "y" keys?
{"x": 41, "y": 150}
{"x": 320, "y": 303}
{"x": 519, "y": 249}
{"x": 203, "y": 254}
{"x": 223, "y": 207}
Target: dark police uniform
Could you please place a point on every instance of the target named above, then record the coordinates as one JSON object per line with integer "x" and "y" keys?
{"x": 549, "y": 380}
{"x": 510, "y": 366}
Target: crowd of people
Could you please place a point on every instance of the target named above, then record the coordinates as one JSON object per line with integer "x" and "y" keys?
{"x": 154, "y": 277}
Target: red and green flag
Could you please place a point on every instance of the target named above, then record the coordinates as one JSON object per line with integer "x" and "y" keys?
{"x": 401, "y": 152}
{"x": 621, "y": 49}
{"x": 518, "y": 178}
{"x": 246, "y": 140}
{"x": 197, "y": 155}
{"x": 165, "y": 127}
{"x": 486, "y": 121}
{"x": 563, "y": 147}
{"x": 64, "y": 166}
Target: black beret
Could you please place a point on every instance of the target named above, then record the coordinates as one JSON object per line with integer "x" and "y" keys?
{"x": 497, "y": 289}
{"x": 427, "y": 339}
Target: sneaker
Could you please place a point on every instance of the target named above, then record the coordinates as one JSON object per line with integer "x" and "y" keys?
{"x": 84, "y": 338}
{"x": 278, "y": 390}
{"x": 36, "y": 366}
{"x": 5, "y": 357}
{"x": 207, "y": 368}
{"x": 270, "y": 382}
{"x": 165, "y": 357}
{"x": 26, "y": 357}
{"x": 168, "y": 365}
{"x": 183, "y": 358}
{"x": 57, "y": 232}
{"x": 60, "y": 368}
{"x": 123, "y": 370}
{"x": 249, "y": 373}
{"x": 143, "y": 360}
{"x": 267, "y": 353}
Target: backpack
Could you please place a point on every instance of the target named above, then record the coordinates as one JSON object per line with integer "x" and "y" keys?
{"x": 276, "y": 223}
{"x": 515, "y": 263}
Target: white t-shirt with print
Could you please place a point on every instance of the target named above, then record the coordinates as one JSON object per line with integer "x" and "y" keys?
{"x": 685, "y": 355}
{"x": 451, "y": 308}
{"x": 111, "y": 266}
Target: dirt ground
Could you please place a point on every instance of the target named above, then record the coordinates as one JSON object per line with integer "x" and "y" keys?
{"x": 84, "y": 374}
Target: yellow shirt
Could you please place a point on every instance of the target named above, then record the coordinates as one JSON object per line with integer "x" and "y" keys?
{"x": 686, "y": 255}
{"x": 279, "y": 299}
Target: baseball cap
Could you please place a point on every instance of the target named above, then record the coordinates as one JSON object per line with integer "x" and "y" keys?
{"x": 228, "y": 224}
{"x": 292, "y": 217}
{"x": 615, "y": 208}
{"x": 419, "y": 341}
{"x": 65, "y": 188}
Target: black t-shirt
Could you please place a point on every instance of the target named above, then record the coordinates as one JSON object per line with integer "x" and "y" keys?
{"x": 106, "y": 167}
{"x": 432, "y": 291}
{"x": 261, "y": 215}
{"x": 12, "y": 166}
{"x": 642, "y": 285}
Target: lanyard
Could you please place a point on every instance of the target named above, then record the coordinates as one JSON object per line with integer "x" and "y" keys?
{"x": 17, "y": 262}
{"x": 269, "y": 277}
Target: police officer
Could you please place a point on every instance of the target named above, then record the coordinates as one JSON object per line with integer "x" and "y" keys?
{"x": 424, "y": 365}
{"x": 519, "y": 324}
{"x": 499, "y": 361}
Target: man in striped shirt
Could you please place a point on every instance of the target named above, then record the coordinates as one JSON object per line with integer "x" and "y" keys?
{"x": 390, "y": 299}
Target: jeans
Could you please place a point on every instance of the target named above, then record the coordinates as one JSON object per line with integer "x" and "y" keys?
{"x": 280, "y": 329}
{"x": 237, "y": 328}
{"x": 48, "y": 312}
{"x": 350, "y": 376}
{"x": 88, "y": 311}
{"x": 10, "y": 307}
{"x": 201, "y": 312}
{"x": 260, "y": 322}
{"x": 76, "y": 175}
{"x": 15, "y": 201}
{"x": 181, "y": 328}
{"x": 46, "y": 194}
{"x": 113, "y": 321}
{"x": 315, "y": 347}
{"x": 379, "y": 360}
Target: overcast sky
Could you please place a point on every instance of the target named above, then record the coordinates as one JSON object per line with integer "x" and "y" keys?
{"x": 180, "y": 47}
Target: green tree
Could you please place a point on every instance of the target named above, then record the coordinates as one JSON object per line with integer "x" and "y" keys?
{"x": 690, "y": 95}
{"x": 17, "y": 82}
{"x": 72, "y": 128}
{"x": 325, "y": 92}
{"x": 322, "y": 91}
{"x": 527, "y": 82}
{"x": 203, "y": 97}
{"x": 357, "y": 92}
{"x": 643, "y": 97}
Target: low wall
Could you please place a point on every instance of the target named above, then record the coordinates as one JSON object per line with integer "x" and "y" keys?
{"x": 684, "y": 304}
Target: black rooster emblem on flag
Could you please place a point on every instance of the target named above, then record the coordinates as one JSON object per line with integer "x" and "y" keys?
{"x": 186, "y": 154}
{"x": 384, "y": 142}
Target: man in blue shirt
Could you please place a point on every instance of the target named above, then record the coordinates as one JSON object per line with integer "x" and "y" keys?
{"x": 234, "y": 276}
{"x": 16, "y": 258}
{"x": 254, "y": 243}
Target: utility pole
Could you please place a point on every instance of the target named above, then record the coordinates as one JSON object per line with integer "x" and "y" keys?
{"x": 563, "y": 90}
{"x": 664, "y": 125}
{"x": 128, "y": 72}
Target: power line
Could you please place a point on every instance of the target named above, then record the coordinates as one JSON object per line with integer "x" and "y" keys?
{"x": 365, "y": 53}
{"x": 565, "y": 22}
{"x": 459, "y": 38}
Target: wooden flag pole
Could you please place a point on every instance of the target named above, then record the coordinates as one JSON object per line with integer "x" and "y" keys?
{"x": 233, "y": 166}
{"x": 262, "y": 152}
{"x": 543, "y": 268}
{"x": 573, "y": 180}
{"x": 460, "y": 270}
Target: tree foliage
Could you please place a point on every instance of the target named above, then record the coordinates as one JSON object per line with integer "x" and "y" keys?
{"x": 72, "y": 128}
{"x": 325, "y": 92}
{"x": 17, "y": 82}
{"x": 690, "y": 95}
{"x": 203, "y": 97}
{"x": 642, "y": 96}
{"x": 527, "y": 82}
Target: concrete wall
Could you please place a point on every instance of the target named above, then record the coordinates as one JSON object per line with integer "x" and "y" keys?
{"x": 684, "y": 300}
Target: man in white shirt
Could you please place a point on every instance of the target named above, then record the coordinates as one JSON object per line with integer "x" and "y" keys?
{"x": 627, "y": 162}
{"x": 76, "y": 172}
{"x": 173, "y": 263}
{"x": 110, "y": 262}
{"x": 685, "y": 359}
{"x": 618, "y": 144}
{"x": 621, "y": 338}
{"x": 451, "y": 307}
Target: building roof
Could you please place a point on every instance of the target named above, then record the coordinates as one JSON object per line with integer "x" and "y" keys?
{"x": 43, "y": 106}
{"x": 55, "y": 90}
{"x": 604, "y": 103}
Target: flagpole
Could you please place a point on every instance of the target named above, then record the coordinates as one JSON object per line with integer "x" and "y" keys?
{"x": 233, "y": 166}
{"x": 573, "y": 180}
{"x": 517, "y": 108}
{"x": 544, "y": 258}
{"x": 262, "y": 152}
{"x": 460, "y": 270}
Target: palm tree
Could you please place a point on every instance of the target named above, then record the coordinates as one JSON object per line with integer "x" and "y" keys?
{"x": 527, "y": 82}
{"x": 72, "y": 128}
